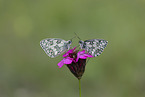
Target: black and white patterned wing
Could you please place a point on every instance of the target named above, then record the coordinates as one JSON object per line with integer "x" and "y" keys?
{"x": 94, "y": 47}
{"x": 54, "y": 47}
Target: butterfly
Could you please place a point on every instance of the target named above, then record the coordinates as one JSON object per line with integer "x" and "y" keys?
{"x": 54, "y": 46}
{"x": 94, "y": 46}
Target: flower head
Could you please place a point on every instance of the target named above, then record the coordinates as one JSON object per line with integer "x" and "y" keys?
{"x": 75, "y": 61}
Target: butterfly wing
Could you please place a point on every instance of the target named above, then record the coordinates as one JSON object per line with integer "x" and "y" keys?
{"x": 94, "y": 47}
{"x": 54, "y": 47}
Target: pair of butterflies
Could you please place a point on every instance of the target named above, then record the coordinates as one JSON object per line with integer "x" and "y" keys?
{"x": 54, "y": 46}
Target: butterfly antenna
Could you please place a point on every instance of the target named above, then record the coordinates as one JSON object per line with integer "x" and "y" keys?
{"x": 77, "y": 36}
{"x": 73, "y": 37}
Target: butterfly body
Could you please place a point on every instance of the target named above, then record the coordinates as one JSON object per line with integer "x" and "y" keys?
{"x": 54, "y": 46}
{"x": 94, "y": 46}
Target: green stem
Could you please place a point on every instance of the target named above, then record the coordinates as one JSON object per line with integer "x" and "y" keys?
{"x": 80, "y": 87}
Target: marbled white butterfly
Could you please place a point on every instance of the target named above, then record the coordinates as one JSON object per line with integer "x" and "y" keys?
{"x": 54, "y": 46}
{"x": 94, "y": 46}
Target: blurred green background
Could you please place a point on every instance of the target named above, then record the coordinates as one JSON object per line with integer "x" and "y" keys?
{"x": 26, "y": 71}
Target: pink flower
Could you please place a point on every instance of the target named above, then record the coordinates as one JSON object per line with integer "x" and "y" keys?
{"x": 76, "y": 61}
{"x": 72, "y": 56}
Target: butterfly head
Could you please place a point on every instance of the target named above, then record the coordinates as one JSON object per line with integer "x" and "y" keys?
{"x": 68, "y": 44}
{"x": 81, "y": 44}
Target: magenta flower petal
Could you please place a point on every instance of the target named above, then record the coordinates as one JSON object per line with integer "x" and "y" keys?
{"x": 82, "y": 55}
{"x": 81, "y": 52}
{"x": 65, "y": 61}
{"x": 61, "y": 63}
{"x": 69, "y": 51}
{"x": 68, "y": 60}
{"x": 66, "y": 54}
{"x": 90, "y": 55}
